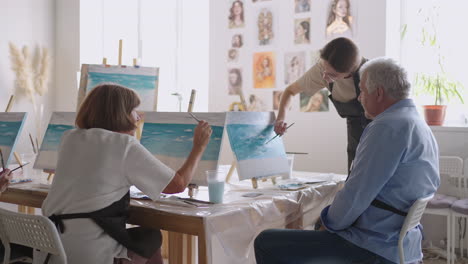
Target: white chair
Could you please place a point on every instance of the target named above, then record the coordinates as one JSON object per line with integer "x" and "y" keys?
{"x": 450, "y": 169}
{"x": 412, "y": 220}
{"x": 459, "y": 210}
{"x": 34, "y": 231}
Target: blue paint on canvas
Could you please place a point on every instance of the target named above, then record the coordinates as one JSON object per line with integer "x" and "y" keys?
{"x": 249, "y": 141}
{"x": 175, "y": 140}
{"x": 136, "y": 82}
{"x": 53, "y": 136}
{"x": 9, "y": 132}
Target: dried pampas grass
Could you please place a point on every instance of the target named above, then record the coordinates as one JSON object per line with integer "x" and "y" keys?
{"x": 42, "y": 71}
{"x": 21, "y": 65}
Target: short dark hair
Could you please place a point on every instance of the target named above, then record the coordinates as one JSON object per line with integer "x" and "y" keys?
{"x": 342, "y": 54}
{"x": 108, "y": 106}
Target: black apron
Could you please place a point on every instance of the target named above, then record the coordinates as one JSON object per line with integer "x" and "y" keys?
{"x": 356, "y": 121}
{"x": 112, "y": 219}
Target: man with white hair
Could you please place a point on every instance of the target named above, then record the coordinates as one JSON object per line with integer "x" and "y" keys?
{"x": 396, "y": 163}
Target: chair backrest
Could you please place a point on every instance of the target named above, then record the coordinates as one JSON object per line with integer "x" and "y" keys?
{"x": 451, "y": 174}
{"x": 412, "y": 219}
{"x": 35, "y": 231}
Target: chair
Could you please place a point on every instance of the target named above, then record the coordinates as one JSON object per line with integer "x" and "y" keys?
{"x": 412, "y": 220}
{"x": 34, "y": 231}
{"x": 460, "y": 209}
{"x": 450, "y": 169}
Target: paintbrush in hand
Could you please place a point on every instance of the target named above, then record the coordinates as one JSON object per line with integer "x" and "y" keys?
{"x": 194, "y": 117}
{"x": 279, "y": 134}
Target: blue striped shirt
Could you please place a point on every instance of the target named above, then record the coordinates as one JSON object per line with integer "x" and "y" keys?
{"x": 397, "y": 163}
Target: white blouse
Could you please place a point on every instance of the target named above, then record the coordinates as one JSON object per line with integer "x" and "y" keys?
{"x": 96, "y": 168}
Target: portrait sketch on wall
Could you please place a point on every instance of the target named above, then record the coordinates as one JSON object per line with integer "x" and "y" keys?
{"x": 237, "y": 41}
{"x": 265, "y": 27}
{"x": 264, "y": 75}
{"x": 340, "y": 20}
{"x": 302, "y": 31}
{"x": 301, "y": 6}
{"x": 233, "y": 55}
{"x": 234, "y": 81}
{"x": 256, "y": 104}
{"x": 317, "y": 102}
{"x": 294, "y": 66}
{"x": 236, "y": 14}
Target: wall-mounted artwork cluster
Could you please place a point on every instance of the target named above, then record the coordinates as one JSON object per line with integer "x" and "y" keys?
{"x": 271, "y": 44}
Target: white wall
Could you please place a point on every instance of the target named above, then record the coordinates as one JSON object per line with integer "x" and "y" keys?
{"x": 322, "y": 134}
{"x": 31, "y": 23}
{"x": 173, "y": 38}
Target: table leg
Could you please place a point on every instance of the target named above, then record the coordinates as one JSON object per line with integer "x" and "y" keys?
{"x": 175, "y": 248}
{"x": 165, "y": 244}
{"x": 188, "y": 239}
{"x": 202, "y": 254}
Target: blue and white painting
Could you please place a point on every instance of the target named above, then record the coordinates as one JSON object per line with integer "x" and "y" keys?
{"x": 11, "y": 125}
{"x": 249, "y": 134}
{"x": 48, "y": 152}
{"x": 169, "y": 137}
{"x": 144, "y": 80}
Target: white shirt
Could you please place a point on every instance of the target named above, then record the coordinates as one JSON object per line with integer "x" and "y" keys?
{"x": 96, "y": 168}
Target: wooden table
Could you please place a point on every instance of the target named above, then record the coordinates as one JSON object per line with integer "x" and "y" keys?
{"x": 151, "y": 214}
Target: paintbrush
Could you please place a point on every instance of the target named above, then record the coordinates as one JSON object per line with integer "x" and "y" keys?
{"x": 279, "y": 134}
{"x": 194, "y": 117}
{"x": 3, "y": 161}
{"x": 32, "y": 143}
{"x": 19, "y": 167}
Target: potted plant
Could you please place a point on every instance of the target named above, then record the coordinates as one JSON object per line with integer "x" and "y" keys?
{"x": 438, "y": 85}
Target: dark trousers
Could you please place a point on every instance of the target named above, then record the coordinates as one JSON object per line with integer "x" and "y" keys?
{"x": 17, "y": 251}
{"x": 278, "y": 246}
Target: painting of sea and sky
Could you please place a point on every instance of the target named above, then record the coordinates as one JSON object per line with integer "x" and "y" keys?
{"x": 144, "y": 80}
{"x": 248, "y": 134}
{"x": 10, "y": 129}
{"x": 48, "y": 153}
{"x": 169, "y": 137}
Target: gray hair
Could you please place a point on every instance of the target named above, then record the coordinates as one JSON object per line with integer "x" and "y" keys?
{"x": 389, "y": 74}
